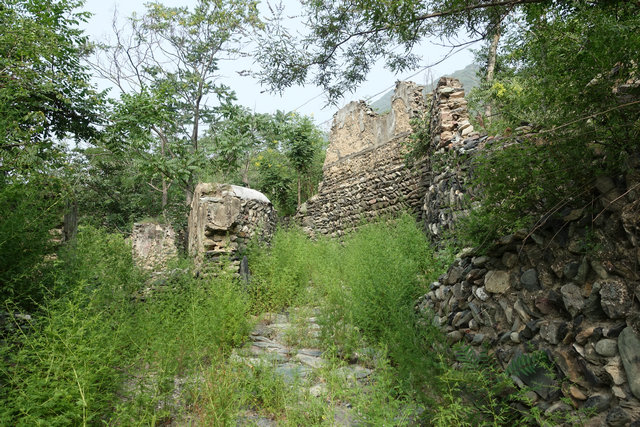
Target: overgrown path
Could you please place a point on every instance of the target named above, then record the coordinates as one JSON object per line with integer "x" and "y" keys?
{"x": 287, "y": 344}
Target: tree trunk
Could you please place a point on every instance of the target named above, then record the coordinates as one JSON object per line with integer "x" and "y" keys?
{"x": 165, "y": 189}
{"x": 491, "y": 67}
{"x": 299, "y": 190}
{"x": 70, "y": 226}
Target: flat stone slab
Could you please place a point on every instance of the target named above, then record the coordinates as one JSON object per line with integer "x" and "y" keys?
{"x": 311, "y": 352}
{"x": 314, "y": 362}
{"x": 292, "y": 371}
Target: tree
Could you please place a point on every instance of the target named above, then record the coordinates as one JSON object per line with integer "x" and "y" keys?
{"x": 303, "y": 141}
{"x": 570, "y": 73}
{"x": 279, "y": 154}
{"x": 45, "y": 98}
{"x": 237, "y": 137}
{"x": 346, "y": 38}
{"x": 165, "y": 64}
{"x": 45, "y": 93}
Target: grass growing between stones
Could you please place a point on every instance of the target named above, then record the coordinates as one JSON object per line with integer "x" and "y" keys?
{"x": 111, "y": 346}
{"x": 365, "y": 288}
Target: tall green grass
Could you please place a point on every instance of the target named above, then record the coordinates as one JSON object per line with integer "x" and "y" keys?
{"x": 366, "y": 286}
{"x": 94, "y": 353}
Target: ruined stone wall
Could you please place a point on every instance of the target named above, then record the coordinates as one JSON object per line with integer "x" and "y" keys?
{"x": 153, "y": 245}
{"x": 224, "y": 218}
{"x": 454, "y": 143}
{"x": 364, "y": 173}
{"x": 570, "y": 289}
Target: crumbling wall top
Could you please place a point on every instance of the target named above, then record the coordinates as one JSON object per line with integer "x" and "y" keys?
{"x": 357, "y": 128}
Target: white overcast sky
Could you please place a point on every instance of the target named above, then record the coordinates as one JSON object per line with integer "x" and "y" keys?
{"x": 247, "y": 89}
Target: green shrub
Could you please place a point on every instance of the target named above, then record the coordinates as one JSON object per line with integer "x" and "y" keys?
{"x": 28, "y": 212}
{"x": 282, "y": 271}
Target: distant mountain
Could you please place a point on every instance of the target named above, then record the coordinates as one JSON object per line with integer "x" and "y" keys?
{"x": 467, "y": 76}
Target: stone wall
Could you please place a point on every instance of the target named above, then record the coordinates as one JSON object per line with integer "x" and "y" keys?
{"x": 570, "y": 289}
{"x": 224, "y": 218}
{"x": 364, "y": 173}
{"x": 454, "y": 142}
{"x": 153, "y": 245}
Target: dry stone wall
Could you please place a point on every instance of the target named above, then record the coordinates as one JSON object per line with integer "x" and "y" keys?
{"x": 571, "y": 290}
{"x": 364, "y": 173}
{"x": 454, "y": 142}
{"x": 224, "y": 218}
{"x": 153, "y": 245}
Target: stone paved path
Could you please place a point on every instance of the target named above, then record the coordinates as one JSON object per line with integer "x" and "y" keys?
{"x": 290, "y": 347}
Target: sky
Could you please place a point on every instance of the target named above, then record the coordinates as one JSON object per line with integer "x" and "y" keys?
{"x": 308, "y": 100}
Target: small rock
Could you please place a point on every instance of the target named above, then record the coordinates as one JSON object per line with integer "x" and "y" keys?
{"x": 515, "y": 337}
{"x": 455, "y": 274}
{"x": 573, "y": 215}
{"x": 550, "y": 303}
{"x": 599, "y": 269}
{"x": 454, "y": 336}
{"x": 529, "y": 280}
{"x": 549, "y": 331}
{"x": 614, "y": 368}
{"x": 477, "y": 339}
{"x": 604, "y": 184}
{"x": 481, "y": 294}
{"x": 497, "y": 281}
{"x": 505, "y": 240}
{"x": 607, "y": 347}
{"x": 557, "y": 407}
{"x": 614, "y": 298}
{"x": 629, "y": 348}
{"x": 519, "y": 307}
{"x": 314, "y": 362}
{"x": 572, "y": 298}
{"x": 584, "y": 335}
{"x": 618, "y": 417}
{"x": 509, "y": 259}
{"x": 576, "y": 393}
{"x": 619, "y": 392}
{"x": 583, "y": 270}
{"x": 480, "y": 261}
{"x": 570, "y": 270}
{"x": 598, "y": 402}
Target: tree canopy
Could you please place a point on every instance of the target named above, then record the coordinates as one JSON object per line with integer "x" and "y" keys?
{"x": 45, "y": 90}
{"x": 345, "y": 39}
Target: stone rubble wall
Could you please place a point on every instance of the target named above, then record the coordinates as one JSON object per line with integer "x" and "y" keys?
{"x": 224, "y": 218}
{"x": 153, "y": 245}
{"x": 364, "y": 173}
{"x": 570, "y": 289}
{"x": 454, "y": 143}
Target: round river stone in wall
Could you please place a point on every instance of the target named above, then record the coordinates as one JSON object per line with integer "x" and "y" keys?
{"x": 497, "y": 281}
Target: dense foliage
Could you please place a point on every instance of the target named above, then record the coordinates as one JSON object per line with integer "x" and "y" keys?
{"x": 571, "y": 75}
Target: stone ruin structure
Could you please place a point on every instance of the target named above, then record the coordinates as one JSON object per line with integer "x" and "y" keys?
{"x": 224, "y": 218}
{"x": 153, "y": 245}
{"x": 364, "y": 173}
{"x": 568, "y": 291}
